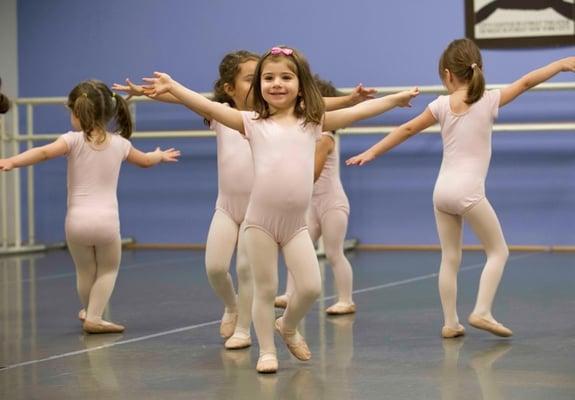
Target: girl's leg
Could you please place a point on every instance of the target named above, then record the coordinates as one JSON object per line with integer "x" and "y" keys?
{"x": 484, "y": 222}
{"x": 220, "y": 246}
{"x": 262, "y": 253}
{"x": 108, "y": 258}
{"x": 449, "y": 229}
{"x": 314, "y": 233}
{"x": 302, "y": 264}
{"x": 85, "y": 262}
{"x": 241, "y": 337}
{"x": 334, "y": 228}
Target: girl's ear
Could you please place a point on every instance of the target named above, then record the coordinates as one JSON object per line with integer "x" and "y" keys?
{"x": 229, "y": 89}
{"x": 447, "y": 75}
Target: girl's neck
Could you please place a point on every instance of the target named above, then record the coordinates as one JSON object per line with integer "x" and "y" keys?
{"x": 283, "y": 114}
{"x": 458, "y": 89}
{"x": 98, "y": 136}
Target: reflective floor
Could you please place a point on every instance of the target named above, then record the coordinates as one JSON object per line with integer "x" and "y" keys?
{"x": 390, "y": 349}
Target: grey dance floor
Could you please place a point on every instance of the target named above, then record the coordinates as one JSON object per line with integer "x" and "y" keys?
{"x": 391, "y": 349}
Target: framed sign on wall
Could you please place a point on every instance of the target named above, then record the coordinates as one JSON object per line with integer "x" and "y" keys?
{"x": 520, "y": 23}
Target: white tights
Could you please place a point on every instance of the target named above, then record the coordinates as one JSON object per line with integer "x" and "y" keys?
{"x": 484, "y": 222}
{"x": 96, "y": 271}
{"x": 301, "y": 261}
{"x": 333, "y": 227}
{"x": 223, "y": 236}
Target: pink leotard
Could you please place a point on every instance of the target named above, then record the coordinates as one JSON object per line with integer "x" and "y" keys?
{"x": 283, "y": 175}
{"x": 466, "y": 152}
{"x": 235, "y": 172}
{"x": 328, "y": 193}
{"x": 92, "y": 217}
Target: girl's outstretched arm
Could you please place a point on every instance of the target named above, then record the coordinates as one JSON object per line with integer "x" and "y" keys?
{"x": 34, "y": 156}
{"x": 358, "y": 95}
{"x": 534, "y": 78}
{"x": 334, "y": 120}
{"x": 146, "y": 160}
{"x": 394, "y": 138}
{"x": 212, "y": 110}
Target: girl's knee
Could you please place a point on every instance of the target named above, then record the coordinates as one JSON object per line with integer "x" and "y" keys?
{"x": 244, "y": 275}
{"x": 311, "y": 290}
{"x": 334, "y": 255}
{"x": 501, "y": 254}
{"x": 452, "y": 259}
{"x": 216, "y": 271}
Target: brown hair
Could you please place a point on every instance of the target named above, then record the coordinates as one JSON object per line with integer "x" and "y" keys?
{"x": 310, "y": 95}
{"x": 463, "y": 59}
{"x": 229, "y": 69}
{"x": 94, "y": 104}
{"x": 327, "y": 89}
{"x": 4, "y": 102}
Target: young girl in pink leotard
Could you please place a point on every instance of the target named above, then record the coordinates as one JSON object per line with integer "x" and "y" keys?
{"x": 235, "y": 180}
{"x": 282, "y": 134}
{"x": 466, "y": 117}
{"x": 94, "y": 160}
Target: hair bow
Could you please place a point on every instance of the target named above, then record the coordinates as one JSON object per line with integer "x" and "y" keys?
{"x": 281, "y": 50}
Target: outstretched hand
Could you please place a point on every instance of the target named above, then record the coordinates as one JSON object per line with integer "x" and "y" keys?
{"x": 130, "y": 88}
{"x": 360, "y": 159}
{"x": 404, "y": 97}
{"x": 159, "y": 84}
{"x": 360, "y": 93}
{"x": 170, "y": 155}
{"x": 6, "y": 165}
{"x": 568, "y": 64}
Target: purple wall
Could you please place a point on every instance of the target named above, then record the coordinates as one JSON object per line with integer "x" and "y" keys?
{"x": 531, "y": 182}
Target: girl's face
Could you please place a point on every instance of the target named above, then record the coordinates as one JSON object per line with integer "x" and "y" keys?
{"x": 240, "y": 92}
{"x": 280, "y": 85}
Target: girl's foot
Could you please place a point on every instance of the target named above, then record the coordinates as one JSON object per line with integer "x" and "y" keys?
{"x": 102, "y": 327}
{"x": 228, "y": 324}
{"x": 494, "y": 327}
{"x": 449, "y": 333}
{"x": 294, "y": 342}
{"x": 82, "y": 315}
{"x": 281, "y": 301}
{"x": 267, "y": 363}
{"x": 341, "y": 308}
{"x": 238, "y": 340}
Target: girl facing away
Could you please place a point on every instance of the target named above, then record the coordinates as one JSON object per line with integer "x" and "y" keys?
{"x": 282, "y": 134}
{"x": 328, "y": 217}
{"x": 235, "y": 181}
{"x": 92, "y": 222}
{"x": 466, "y": 117}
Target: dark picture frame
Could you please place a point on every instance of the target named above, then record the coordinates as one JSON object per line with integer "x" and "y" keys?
{"x": 520, "y": 23}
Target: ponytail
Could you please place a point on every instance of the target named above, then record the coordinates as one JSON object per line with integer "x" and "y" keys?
{"x": 94, "y": 105}
{"x": 123, "y": 117}
{"x": 476, "y": 86}
{"x": 463, "y": 59}
{"x": 83, "y": 109}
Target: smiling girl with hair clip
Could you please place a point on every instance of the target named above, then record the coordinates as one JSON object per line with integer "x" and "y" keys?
{"x": 282, "y": 134}
{"x": 235, "y": 180}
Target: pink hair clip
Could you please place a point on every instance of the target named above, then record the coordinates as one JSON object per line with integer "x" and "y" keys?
{"x": 276, "y": 51}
